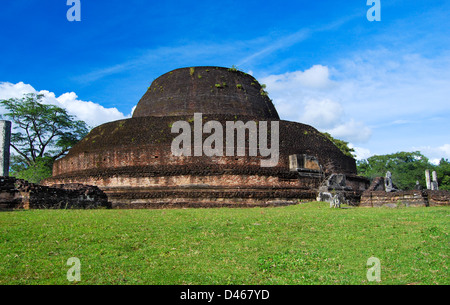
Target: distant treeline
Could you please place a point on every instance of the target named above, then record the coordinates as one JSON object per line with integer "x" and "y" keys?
{"x": 406, "y": 169}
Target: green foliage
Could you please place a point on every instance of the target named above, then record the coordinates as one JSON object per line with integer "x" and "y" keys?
{"x": 191, "y": 71}
{"x": 42, "y": 133}
{"x": 443, "y": 172}
{"x": 233, "y": 69}
{"x": 342, "y": 145}
{"x": 406, "y": 168}
{"x": 41, "y": 130}
{"x": 35, "y": 173}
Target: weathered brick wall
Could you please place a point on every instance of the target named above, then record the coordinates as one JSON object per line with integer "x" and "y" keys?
{"x": 244, "y": 186}
{"x": 10, "y": 197}
{"x": 357, "y": 183}
{"x": 136, "y": 153}
{"x": 205, "y": 197}
{"x": 377, "y": 184}
{"x": 243, "y": 179}
{"x": 147, "y": 141}
{"x": 124, "y": 157}
{"x": 209, "y": 90}
{"x": 437, "y": 198}
{"x": 20, "y": 194}
{"x": 402, "y": 198}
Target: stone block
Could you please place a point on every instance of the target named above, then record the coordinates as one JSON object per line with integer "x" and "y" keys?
{"x": 303, "y": 161}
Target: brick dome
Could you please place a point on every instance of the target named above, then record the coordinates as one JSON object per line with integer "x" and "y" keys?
{"x": 132, "y": 162}
{"x": 208, "y": 90}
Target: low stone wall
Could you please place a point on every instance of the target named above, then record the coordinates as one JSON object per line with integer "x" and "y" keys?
{"x": 10, "y": 197}
{"x": 145, "y": 188}
{"x": 437, "y": 198}
{"x": 204, "y": 196}
{"x": 405, "y": 198}
{"x": 20, "y": 194}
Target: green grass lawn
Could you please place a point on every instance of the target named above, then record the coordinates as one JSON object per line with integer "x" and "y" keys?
{"x": 304, "y": 244}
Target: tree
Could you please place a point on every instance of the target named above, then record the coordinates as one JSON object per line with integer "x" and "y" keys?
{"x": 42, "y": 133}
{"x": 443, "y": 171}
{"x": 342, "y": 145}
{"x": 35, "y": 173}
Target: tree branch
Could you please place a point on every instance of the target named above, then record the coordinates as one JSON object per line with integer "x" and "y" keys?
{"x": 21, "y": 153}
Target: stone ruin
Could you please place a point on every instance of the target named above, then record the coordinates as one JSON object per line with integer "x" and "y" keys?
{"x": 129, "y": 163}
{"x": 131, "y": 160}
{"x": 382, "y": 192}
{"x": 20, "y": 194}
{"x": 5, "y": 140}
{"x": 432, "y": 185}
{"x": 337, "y": 187}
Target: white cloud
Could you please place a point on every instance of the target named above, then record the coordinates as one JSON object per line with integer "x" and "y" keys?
{"x": 315, "y": 77}
{"x": 393, "y": 86}
{"x": 8, "y": 90}
{"x": 368, "y": 95}
{"x": 435, "y": 161}
{"x": 92, "y": 113}
{"x": 323, "y": 114}
{"x": 132, "y": 111}
{"x": 435, "y": 154}
{"x": 351, "y": 131}
{"x": 360, "y": 152}
{"x": 309, "y": 97}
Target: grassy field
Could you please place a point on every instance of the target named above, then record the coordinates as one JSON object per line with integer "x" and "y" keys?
{"x": 303, "y": 244}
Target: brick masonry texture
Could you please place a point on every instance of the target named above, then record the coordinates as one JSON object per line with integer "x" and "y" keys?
{"x": 20, "y": 194}
{"x": 131, "y": 160}
{"x": 405, "y": 198}
{"x": 209, "y": 90}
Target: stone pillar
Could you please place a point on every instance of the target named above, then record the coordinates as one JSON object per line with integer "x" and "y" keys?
{"x": 5, "y": 141}
{"x": 434, "y": 183}
{"x": 388, "y": 185}
{"x": 294, "y": 163}
{"x": 428, "y": 179}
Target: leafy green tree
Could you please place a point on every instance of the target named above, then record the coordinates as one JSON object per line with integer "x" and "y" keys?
{"x": 443, "y": 171}
{"x": 342, "y": 145}
{"x": 41, "y": 134}
{"x": 35, "y": 173}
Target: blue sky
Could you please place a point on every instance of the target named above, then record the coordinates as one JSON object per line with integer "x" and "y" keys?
{"x": 383, "y": 86}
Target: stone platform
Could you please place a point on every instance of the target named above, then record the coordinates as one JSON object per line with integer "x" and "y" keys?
{"x": 19, "y": 194}
{"x": 405, "y": 198}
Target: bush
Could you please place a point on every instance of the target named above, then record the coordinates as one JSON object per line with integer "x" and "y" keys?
{"x": 34, "y": 173}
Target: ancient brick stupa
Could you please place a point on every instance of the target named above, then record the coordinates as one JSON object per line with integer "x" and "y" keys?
{"x": 132, "y": 161}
